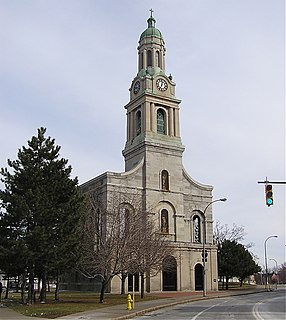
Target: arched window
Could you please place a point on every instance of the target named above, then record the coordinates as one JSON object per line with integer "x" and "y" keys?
{"x": 161, "y": 122}
{"x": 164, "y": 221}
{"x": 149, "y": 58}
{"x": 196, "y": 228}
{"x": 138, "y": 123}
{"x": 158, "y": 62}
{"x": 165, "y": 180}
{"x": 124, "y": 216}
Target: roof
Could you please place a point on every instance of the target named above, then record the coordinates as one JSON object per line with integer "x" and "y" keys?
{"x": 151, "y": 31}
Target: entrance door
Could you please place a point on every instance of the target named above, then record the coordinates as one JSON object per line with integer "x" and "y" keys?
{"x": 199, "y": 278}
{"x": 169, "y": 274}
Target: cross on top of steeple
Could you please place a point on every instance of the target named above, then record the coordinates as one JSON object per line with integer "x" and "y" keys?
{"x": 151, "y": 21}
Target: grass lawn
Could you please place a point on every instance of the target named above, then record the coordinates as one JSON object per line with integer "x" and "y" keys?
{"x": 235, "y": 285}
{"x": 69, "y": 303}
{"x": 73, "y": 301}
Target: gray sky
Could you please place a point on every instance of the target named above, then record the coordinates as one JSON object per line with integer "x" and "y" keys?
{"x": 67, "y": 65}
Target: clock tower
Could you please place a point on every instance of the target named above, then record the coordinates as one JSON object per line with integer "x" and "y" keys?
{"x": 153, "y": 110}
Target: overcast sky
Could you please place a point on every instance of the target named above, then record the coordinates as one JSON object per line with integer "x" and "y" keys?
{"x": 67, "y": 65}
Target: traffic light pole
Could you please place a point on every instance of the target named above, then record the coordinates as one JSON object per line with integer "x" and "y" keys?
{"x": 272, "y": 182}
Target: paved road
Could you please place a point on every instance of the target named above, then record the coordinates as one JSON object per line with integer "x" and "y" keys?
{"x": 259, "y": 306}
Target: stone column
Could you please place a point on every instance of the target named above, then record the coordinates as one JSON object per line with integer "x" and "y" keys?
{"x": 153, "y": 116}
{"x": 144, "y": 59}
{"x": 147, "y": 120}
{"x": 171, "y": 122}
{"x": 128, "y": 126}
{"x": 177, "y": 124}
{"x": 153, "y": 57}
{"x": 131, "y": 125}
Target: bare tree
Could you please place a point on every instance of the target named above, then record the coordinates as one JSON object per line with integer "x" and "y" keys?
{"x": 149, "y": 250}
{"x": 223, "y": 232}
{"x": 236, "y": 233}
{"x": 118, "y": 238}
{"x": 282, "y": 273}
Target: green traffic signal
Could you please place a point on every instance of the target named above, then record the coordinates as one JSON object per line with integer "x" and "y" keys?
{"x": 269, "y": 194}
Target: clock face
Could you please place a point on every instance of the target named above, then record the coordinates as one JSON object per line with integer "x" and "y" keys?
{"x": 161, "y": 84}
{"x": 136, "y": 87}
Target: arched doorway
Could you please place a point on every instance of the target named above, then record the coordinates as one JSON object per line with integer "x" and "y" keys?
{"x": 169, "y": 274}
{"x": 199, "y": 277}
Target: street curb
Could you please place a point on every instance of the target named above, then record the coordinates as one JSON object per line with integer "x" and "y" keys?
{"x": 142, "y": 312}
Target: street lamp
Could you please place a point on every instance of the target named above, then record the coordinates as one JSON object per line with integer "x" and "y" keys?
{"x": 265, "y": 256}
{"x": 204, "y": 243}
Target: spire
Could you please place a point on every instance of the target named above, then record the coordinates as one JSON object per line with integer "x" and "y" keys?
{"x": 151, "y": 50}
{"x": 151, "y": 30}
{"x": 151, "y": 21}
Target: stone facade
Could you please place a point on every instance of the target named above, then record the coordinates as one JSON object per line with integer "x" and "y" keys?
{"x": 154, "y": 170}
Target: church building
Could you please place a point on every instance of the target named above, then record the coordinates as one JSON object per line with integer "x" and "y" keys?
{"x": 153, "y": 167}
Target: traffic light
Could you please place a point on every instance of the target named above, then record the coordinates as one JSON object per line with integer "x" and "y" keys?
{"x": 269, "y": 194}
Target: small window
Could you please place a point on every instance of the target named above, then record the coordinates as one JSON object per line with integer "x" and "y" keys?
{"x": 138, "y": 123}
{"x": 149, "y": 58}
{"x": 164, "y": 221}
{"x": 124, "y": 216}
{"x": 161, "y": 122}
{"x": 165, "y": 180}
{"x": 196, "y": 228}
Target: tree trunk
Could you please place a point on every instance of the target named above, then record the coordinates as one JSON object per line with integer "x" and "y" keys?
{"x": 102, "y": 291}
{"x": 18, "y": 284}
{"x": 226, "y": 282}
{"x": 148, "y": 282}
{"x": 43, "y": 294}
{"x": 31, "y": 288}
{"x": 23, "y": 287}
{"x": 7, "y": 289}
{"x": 240, "y": 282}
{"x": 57, "y": 291}
{"x": 123, "y": 278}
{"x": 142, "y": 285}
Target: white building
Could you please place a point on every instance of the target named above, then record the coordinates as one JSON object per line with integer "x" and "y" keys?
{"x": 153, "y": 167}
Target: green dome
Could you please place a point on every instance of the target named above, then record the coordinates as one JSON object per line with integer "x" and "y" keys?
{"x": 151, "y": 31}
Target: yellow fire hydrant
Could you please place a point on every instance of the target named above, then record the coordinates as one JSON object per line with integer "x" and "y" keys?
{"x": 129, "y": 302}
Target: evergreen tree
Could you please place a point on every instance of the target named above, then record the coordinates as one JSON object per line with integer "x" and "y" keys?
{"x": 234, "y": 260}
{"x": 42, "y": 206}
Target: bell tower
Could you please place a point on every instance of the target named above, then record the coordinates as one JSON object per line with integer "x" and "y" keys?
{"x": 153, "y": 110}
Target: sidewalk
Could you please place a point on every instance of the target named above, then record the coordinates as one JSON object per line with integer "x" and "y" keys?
{"x": 8, "y": 314}
{"x": 120, "y": 312}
